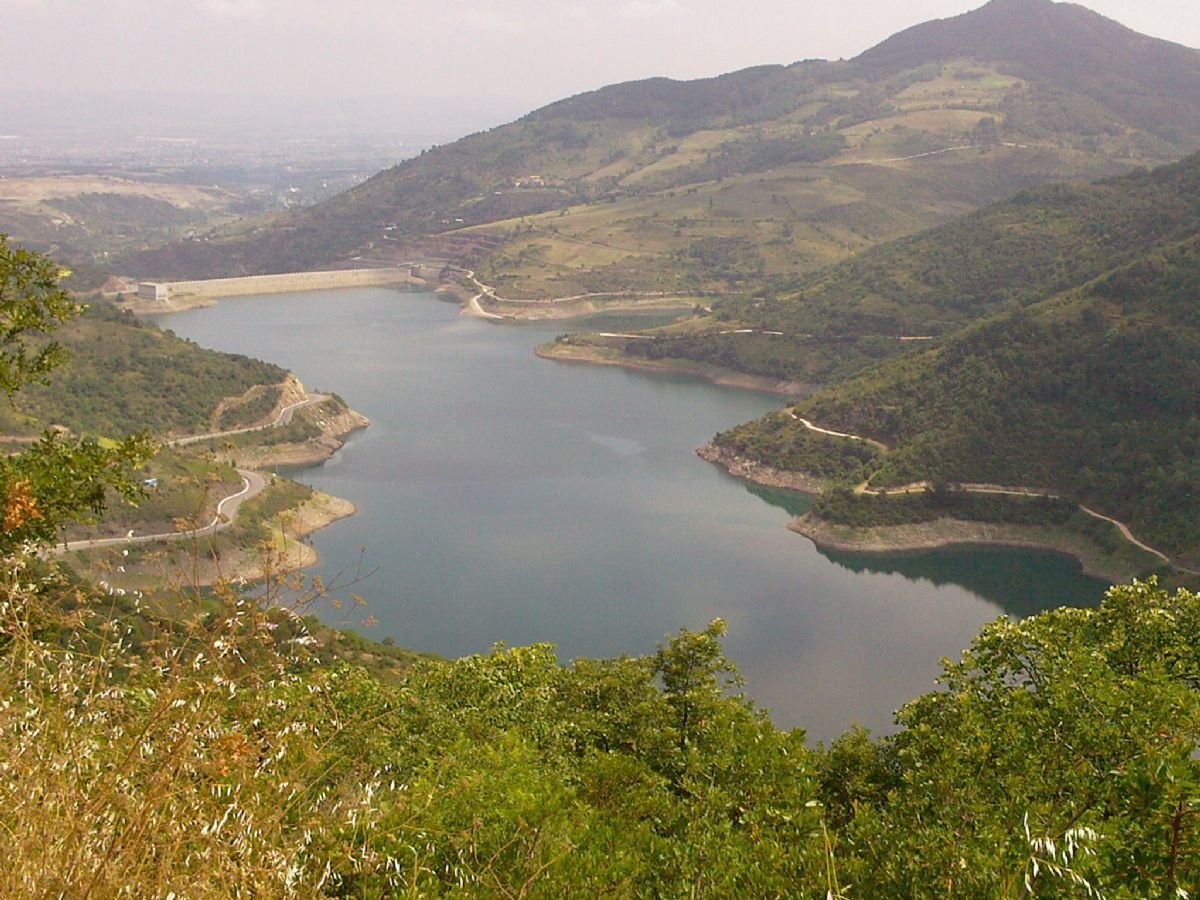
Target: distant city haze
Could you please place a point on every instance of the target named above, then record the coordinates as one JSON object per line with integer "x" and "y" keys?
{"x": 493, "y": 59}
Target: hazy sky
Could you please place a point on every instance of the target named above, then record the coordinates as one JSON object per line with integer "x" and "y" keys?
{"x": 527, "y": 51}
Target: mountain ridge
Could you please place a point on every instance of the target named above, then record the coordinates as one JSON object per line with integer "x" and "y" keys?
{"x": 714, "y": 184}
{"x": 1106, "y": 59}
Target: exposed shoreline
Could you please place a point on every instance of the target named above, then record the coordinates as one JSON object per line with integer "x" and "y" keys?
{"x": 312, "y": 452}
{"x": 292, "y": 554}
{"x": 758, "y": 473}
{"x": 725, "y": 377}
{"x": 945, "y": 533}
{"x": 220, "y": 559}
{"x": 915, "y": 538}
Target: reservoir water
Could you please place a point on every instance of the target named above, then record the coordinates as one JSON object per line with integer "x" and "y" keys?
{"x": 506, "y": 498}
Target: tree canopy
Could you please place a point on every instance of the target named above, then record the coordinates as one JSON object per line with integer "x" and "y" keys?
{"x": 57, "y": 479}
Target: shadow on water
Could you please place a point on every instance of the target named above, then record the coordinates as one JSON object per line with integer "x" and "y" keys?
{"x": 1022, "y": 582}
{"x": 793, "y": 503}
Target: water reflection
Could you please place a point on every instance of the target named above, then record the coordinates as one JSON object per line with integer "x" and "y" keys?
{"x": 1021, "y": 582}
{"x": 793, "y": 503}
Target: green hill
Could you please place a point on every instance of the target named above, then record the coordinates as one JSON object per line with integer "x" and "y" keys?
{"x": 1080, "y": 374}
{"x": 715, "y": 184}
{"x": 126, "y": 374}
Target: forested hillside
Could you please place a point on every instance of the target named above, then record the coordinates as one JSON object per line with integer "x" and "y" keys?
{"x": 713, "y": 185}
{"x": 1093, "y": 392}
{"x": 126, "y": 374}
{"x": 208, "y": 756}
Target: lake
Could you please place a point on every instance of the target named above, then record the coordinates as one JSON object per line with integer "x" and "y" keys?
{"x": 506, "y": 498}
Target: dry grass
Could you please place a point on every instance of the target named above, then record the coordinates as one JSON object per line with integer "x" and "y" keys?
{"x": 173, "y": 766}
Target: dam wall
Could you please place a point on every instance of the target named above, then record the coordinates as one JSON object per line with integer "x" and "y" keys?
{"x": 292, "y": 281}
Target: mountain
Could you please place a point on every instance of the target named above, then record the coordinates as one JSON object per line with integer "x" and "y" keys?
{"x": 1079, "y": 373}
{"x": 1135, "y": 76}
{"x": 717, "y": 184}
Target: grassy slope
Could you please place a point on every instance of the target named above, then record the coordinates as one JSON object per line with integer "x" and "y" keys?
{"x": 849, "y": 316}
{"x": 82, "y": 218}
{"x": 122, "y": 375}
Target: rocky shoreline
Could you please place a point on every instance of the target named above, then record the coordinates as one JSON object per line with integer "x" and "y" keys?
{"x": 319, "y": 511}
{"x": 757, "y": 472}
{"x": 941, "y": 534}
{"x": 312, "y": 452}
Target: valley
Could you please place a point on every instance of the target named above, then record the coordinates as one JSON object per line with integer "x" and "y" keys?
{"x": 878, "y": 374}
{"x": 501, "y": 497}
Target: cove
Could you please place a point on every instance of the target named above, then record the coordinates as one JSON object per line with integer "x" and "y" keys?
{"x": 506, "y": 498}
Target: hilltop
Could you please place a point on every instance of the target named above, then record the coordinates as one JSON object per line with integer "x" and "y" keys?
{"x": 1132, "y": 75}
{"x": 712, "y": 186}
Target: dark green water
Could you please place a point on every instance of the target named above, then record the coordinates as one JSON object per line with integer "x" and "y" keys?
{"x": 506, "y": 498}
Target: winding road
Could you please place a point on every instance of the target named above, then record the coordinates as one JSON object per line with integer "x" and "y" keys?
{"x": 284, "y": 418}
{"x": 227, "y": 507}
{"x": 252, "y": 485}
{"x": 918, "y": 486}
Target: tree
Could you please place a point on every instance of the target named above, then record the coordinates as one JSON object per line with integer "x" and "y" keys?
{"x": 58, "y": 479}
{"x": 694, "y": 672}
{"x": 31, "y": 303}
{"x": 1057, "y": 760}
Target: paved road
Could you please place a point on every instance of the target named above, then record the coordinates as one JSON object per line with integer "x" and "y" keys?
{"x": 227, "y": 508}
{"x": 252, "y": 485}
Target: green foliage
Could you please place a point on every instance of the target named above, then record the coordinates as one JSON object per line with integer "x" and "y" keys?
{"x": 781, "y": 441}
{"x": 255, "y": 406}
{"x": 187, "y": 491}
{"x": 126, "y": 374}
{"x": 1091, "y": 392}
{"x": 218, "y": 752}
{"x": 1015, "y": 253}
{"x": 55, "y": 480}
{"x": 282, "y": 494}
{"x": 1070, "y": 731}
{"x": 803, "y": 358}
{"x": 31, "y": 304}
{"x": 1096, "y": 401}
{"x": 845, "y": 507}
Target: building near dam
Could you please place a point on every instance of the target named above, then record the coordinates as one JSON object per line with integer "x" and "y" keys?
{"x": 153, "y": 290}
